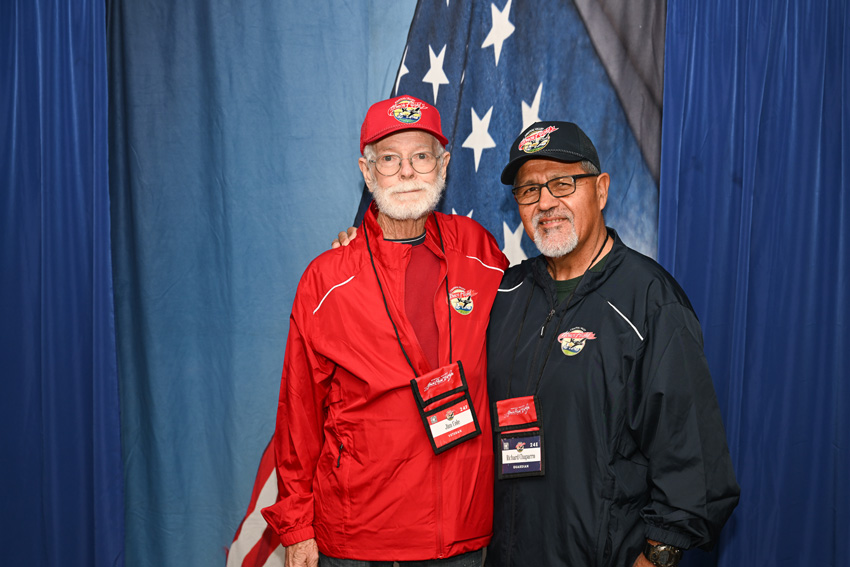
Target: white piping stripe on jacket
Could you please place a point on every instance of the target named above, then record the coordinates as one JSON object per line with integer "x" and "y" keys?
{"x": 627, "y": 320}
{"x": 329, "y": 292}
{"x": 513, "y": 288}
{"x": 486, "y": 266}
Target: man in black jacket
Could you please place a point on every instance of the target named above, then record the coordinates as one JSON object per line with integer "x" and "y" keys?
{"x": 610, "y": 450}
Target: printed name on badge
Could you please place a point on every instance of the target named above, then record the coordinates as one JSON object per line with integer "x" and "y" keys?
{"x": 452, "y": 423}
{"x": 521, "y": 455}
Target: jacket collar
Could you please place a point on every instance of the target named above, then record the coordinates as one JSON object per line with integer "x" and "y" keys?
{"x": 592, "y": 280}
{"x": 385, "y": 249}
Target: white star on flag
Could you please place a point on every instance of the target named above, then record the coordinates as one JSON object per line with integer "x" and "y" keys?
{"x": 402, "y": 71}
{"x": 479, "y": 140}
{"x": 469, "y": 214}
{"x": 435, "y": 75}
{"x": 513, "y": 249}
{"x": 530, "y": 113}
{"x": 500, "y": 31}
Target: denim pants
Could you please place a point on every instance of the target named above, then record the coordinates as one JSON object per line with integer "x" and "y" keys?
{"x": 471, "y": 559}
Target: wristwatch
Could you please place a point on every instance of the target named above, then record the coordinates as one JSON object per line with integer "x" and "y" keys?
{"x": 662, "y": 555}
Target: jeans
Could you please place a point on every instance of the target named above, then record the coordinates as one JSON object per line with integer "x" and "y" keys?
{"x": 471, "y": 559}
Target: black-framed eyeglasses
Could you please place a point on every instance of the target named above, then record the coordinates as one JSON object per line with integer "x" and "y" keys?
{"x": 390, "y": 164}
{"x": 558, "y": 187}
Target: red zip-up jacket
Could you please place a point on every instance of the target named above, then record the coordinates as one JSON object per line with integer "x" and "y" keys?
{"x": 356, "y": 469}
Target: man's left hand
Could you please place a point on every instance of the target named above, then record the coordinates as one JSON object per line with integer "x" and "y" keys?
{"x": 641, "y": 560}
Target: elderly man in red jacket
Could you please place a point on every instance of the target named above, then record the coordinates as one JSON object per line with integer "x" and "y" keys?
{"x": 383, "y": 440}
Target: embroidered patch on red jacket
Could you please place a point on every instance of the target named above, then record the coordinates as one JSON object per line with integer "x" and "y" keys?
{"x": 461, "y": 299}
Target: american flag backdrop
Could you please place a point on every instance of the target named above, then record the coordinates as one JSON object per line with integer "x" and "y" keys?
{"x": 492, "y": 68}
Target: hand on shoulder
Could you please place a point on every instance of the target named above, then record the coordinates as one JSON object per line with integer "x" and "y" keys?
{"x": 344, "y": 238}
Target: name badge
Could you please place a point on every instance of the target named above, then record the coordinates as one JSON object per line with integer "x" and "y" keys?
{"x": 442, "y": 397}
{"x": 519, "y": 438}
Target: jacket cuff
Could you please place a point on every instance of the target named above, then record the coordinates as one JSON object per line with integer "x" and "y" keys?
{"x": 295, "y": 536}
{"x": 675, "y": 539}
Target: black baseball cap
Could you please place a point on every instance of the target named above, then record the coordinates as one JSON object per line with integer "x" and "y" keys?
{"x": 561, "y": 141}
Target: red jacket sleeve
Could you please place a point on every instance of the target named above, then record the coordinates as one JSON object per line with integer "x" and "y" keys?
{"x": 299, "y": 436}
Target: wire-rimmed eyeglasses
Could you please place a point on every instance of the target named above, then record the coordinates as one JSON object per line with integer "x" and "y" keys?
{"x": 390, "y": 164}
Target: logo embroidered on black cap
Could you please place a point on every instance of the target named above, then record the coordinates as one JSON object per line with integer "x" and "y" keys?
{"x": 536, "y": 140}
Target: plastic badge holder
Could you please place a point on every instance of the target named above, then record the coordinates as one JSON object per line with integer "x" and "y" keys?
{"x": 442, "y": 397}
{"x": 520, "y": 438}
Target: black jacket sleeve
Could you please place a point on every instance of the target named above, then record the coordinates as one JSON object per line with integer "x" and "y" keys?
{"x": 675, "y": 420}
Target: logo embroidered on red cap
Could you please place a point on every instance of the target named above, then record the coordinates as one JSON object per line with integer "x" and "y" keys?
{"x": 536, "y": 140}
{"x": 407, "y": 110}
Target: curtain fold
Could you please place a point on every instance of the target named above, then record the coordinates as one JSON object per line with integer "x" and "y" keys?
{"x": 753, "y": 224}
{"x": 59, "y": 418}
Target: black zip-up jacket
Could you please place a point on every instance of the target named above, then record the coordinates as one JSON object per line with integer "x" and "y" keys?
{"x": 634, "y": 446}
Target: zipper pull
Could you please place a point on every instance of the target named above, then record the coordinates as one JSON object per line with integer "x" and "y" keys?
{"x": 341, "y": 447}
{"x": 548, "y": 318}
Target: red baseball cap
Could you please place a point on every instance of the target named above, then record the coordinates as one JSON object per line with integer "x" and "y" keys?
{"x": 400, "y": 113}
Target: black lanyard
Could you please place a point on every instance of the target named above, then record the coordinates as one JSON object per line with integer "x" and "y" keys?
{"x": 560, "y": 321}
{"x": 384, "y": 297}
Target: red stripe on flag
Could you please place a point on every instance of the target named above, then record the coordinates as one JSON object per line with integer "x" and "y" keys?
{"x": 255, "y": 543}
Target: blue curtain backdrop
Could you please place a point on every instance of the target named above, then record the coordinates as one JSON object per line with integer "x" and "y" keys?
{"x": 62, "y": 499}
{"x": 233, "y": 132}
{"x": 213, "y": 108}
{"x": 754, "y": 211}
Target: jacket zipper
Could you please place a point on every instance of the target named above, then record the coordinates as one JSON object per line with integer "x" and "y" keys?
{"x": 546, "y": 322}
{"x": 339, "y": 457}
{"x": 439, "y": 469}
{"x": 541, "y": 346}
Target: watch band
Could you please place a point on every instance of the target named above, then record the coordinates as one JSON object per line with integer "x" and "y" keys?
{"x": 662, "y": 555}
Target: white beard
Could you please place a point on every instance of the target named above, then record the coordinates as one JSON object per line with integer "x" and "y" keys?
{"x": 556, "y": 242}
{"x": 408, "y": 207}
